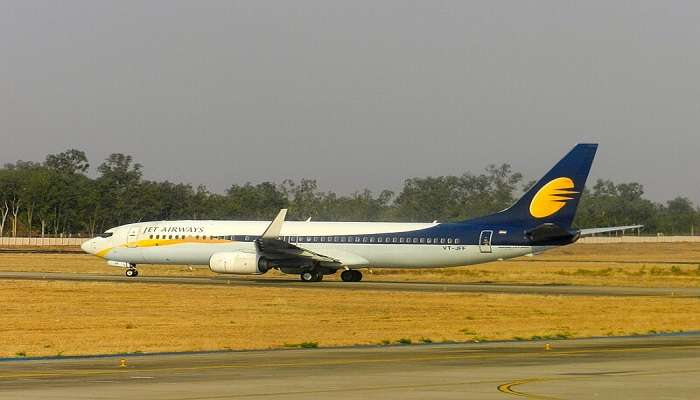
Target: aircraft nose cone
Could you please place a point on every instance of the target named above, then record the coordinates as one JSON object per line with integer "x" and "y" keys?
{"x": 88, "y": 246}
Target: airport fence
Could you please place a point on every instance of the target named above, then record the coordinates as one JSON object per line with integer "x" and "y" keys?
{"x": 41, "y": 242}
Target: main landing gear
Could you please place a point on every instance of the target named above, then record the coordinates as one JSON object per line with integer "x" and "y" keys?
{"x": 311, "y": 276}
{"x": 351, "y": 275}
{"x": 132, "y": 272}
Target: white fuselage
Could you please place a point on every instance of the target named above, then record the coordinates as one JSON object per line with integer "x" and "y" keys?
{"x": 194, "y": 243}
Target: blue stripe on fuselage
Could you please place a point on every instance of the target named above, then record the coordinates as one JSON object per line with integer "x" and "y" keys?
{"x": 466, "y": 233}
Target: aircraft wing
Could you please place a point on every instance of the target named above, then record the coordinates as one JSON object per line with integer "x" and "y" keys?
{"x": 594, "y": 231}
{"x": 275, "y": 249}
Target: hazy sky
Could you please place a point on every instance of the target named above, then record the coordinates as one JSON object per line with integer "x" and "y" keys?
{"x": 355, "y": 93}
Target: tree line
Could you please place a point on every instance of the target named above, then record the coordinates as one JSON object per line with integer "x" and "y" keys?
{"x": 56, "y": 197}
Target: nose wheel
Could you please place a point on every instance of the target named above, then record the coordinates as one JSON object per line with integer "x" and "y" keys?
{"x": 132, "y": 272}
{"x": 351, "y": 275}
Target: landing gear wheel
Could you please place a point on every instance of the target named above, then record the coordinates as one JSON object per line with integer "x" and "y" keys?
{"x": 311, "y": 276}
{"x": 357, "y": 275}
{"x": 351, "y": 275}
{"x": 131, "y": 272}
{"x": 346, "y": 275}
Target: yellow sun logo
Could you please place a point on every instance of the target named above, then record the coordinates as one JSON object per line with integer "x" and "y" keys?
{"x": 552, "y": 197}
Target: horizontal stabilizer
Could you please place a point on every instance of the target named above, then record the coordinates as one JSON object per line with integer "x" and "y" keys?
{"x": 595, "y": 231}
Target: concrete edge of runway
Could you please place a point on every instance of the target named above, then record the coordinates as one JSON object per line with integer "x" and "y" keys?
{"x": 436, "y": 287}
{"x": 354, "y": 347}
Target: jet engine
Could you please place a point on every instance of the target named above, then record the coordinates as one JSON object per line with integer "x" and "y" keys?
{"x": 238, "y": 262}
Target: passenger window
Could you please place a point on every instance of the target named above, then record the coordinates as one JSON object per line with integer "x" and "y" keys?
{"x": 422, "y": 240}
{"x": 429, "y": 240}
{"x": 449, "y": 240}
{"x": 365, "y": 239}
{"x": 442, "y": 240}
{"x": 457, "y": 241}
{"x": 357, "y": 239}
{"x": 157, "y": 236}
{"x": 150, "y": 237}
{"x": 342, "y": 239}
{"x": 336, "y": 239}
{"x": 402, "y": 240}
{"x": 415, "y": 240}
{"x": 395, "y": 240}
{"x": 380, "y": 239}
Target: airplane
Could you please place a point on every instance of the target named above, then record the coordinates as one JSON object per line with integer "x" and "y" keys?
{"x": 540, "y": 220}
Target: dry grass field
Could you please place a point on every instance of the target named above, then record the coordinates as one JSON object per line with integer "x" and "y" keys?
{"x": 68, "y": 318}
{"x": 623, "y": 264}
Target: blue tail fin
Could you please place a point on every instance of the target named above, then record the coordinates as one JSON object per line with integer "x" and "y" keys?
{"x": 553, "y": 200}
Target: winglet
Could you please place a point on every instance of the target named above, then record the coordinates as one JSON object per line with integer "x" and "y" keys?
{"x": 273, "y": 230}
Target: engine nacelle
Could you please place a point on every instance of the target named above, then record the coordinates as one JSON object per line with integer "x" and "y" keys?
{"x": 238, "y": 262}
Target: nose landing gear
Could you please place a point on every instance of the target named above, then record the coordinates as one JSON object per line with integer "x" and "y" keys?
{"x": 132, "y": 272}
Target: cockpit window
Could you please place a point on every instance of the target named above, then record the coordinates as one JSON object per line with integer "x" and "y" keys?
{"x": 105, "y": 234}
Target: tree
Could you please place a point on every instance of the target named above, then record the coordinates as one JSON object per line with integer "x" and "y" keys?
{"x": 457, "y": 198}
{"x": 59, "y": 195}
{"x": 10, "y": 187}
{"x": 250, "y": 201}
{"x": 678, "y": 216}
{"x": 118, "y": 182}
{"x": 610, "y": 204}
{"x": 3, "y": 216}
{"x": 69, "y": 162}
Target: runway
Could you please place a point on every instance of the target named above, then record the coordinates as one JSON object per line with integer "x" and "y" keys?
{"x": 364, "y": 285}
{"x": 640, "y": 368}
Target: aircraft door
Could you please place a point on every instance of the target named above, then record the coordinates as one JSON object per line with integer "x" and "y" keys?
{"x": 132, "y": 237}
{"x": 485, "y": 241}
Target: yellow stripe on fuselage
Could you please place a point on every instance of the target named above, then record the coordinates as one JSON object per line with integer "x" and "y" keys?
{"x": 161, "y": 242}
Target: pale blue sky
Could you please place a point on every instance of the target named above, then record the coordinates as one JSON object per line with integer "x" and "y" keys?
{"x": 355, "y": 94}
